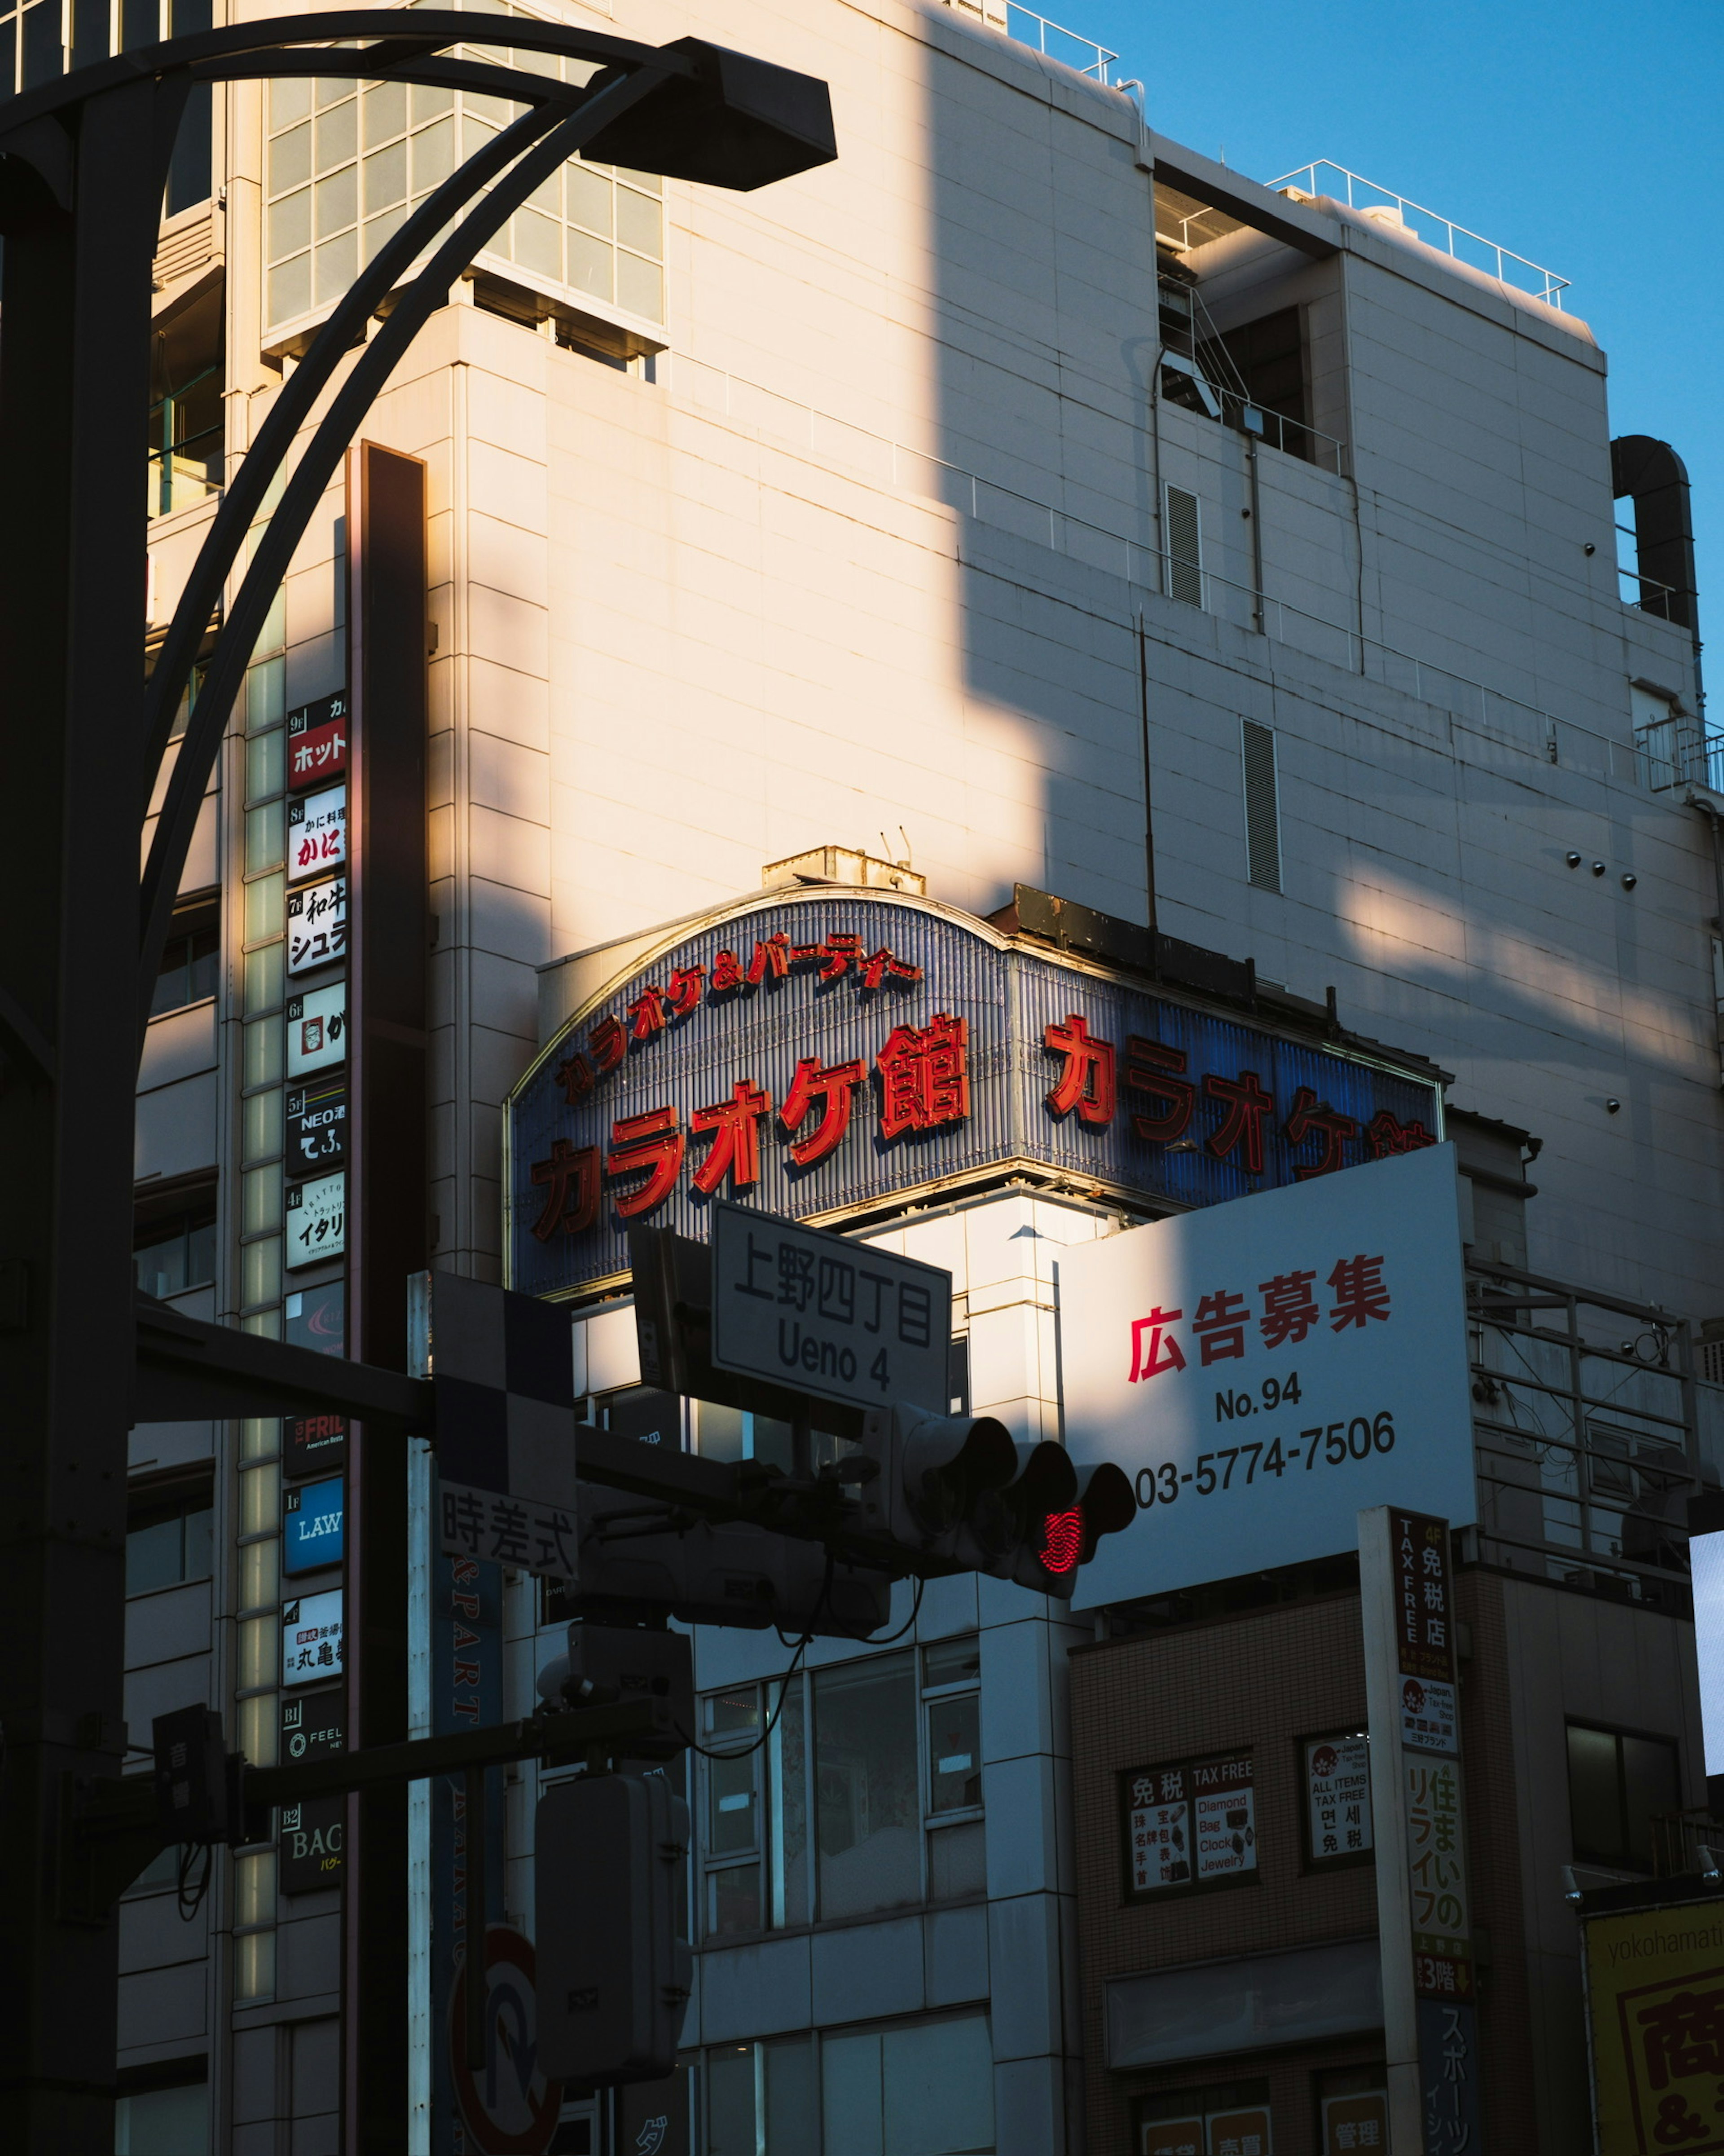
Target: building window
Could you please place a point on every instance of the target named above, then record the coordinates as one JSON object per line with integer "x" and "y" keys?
{"x": 1189, "y": 1825}
{"x": 1619, "y": 1788}
{"x": 1266, "y": 358}
{"x": 151, "y": 2121}
{"x": 924, "y": 2088}
{"x": 864, "y": 1793}
{"x": 1263, "y": 805}
{"x": 347, "y": 162}
{"x": 186, "y": 433}
{"x": 176, "y": 1252}
{"x": 1337, "y": 1777}
{"x": 1185, "y": 547}
{"x": 190, "y": 961}
{"x": 1230, "y": 2115}
{"x": 169, "y": 1537}
{"x": 1353, "y": 2111}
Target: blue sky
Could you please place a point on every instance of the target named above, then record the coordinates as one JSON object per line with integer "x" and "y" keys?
{"x": 1585, "y": 135}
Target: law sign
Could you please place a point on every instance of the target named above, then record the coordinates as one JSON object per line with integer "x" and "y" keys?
{"x": 818, "y": 1314}
{"x": 313, "y": 1516}
{"x": 1264, "y": 1370}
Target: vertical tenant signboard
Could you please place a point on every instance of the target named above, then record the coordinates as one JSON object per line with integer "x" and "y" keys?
{"x": 1430, "y": 2008}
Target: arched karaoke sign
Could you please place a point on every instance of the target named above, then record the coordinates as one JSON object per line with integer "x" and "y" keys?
{"x": 818, "y": 1051}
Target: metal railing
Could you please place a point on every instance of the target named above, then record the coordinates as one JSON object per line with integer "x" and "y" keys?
{"x": 1591, "y": 1432}
{"x": 1466, "y": 246}
{"x": 1686, "y": 1842}
{"x": 1681, "y": 751}
{"x": 1048, "y": 37}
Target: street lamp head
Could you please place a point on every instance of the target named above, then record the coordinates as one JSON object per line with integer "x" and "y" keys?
{"x": 738, "y": 122}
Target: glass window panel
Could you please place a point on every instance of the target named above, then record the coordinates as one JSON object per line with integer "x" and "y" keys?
{"x": 265, "y": 836}
{"x": 200, "y": 1254}
{"x": 289, "y": 99}
{"x": 590, "y": 265}
{"x": 265, "y": 765}
{"x": 338, "y": 136}
{"x": 433, "y": 155}
{"x": 291, "y": 159}
{"x": 260, "y": 1499}
{"x": 262, "y": 1052}
{"x": 331, "y": 88}
{"x": 203, "y": 970}
{"x": 728, "y": 1712}
{"x": 259, "y": 1438}
{"x": 1594, "y": 1801}
{"x": 1649, "y": 1774}
{"x": 868, "y": 1812}
{"x": 337, "y": 265}
{"x": 640, "y": 287}
{"x": 386, "y": 177}
{"x": 261, "y": 1209}
{"x": 265, "y": 905}
{"x": 733, "y": 1900}
{"x": 260, "y": 1272}
{"x": 263, "y": 1125}
{"x": 639, "y": 222}
{"x": 790, "y": 1828}
{"x": 381, "y": 229}
{"x": 851, "y": 2099}
{"x": 939, "y": 2087}
{"x": 290, "y": 289}
{"x": 290, "y": 224}
{"x": 720, "y": 1432}
{"x": 773, "y": 1442}
{"x": 792, "y": 2103}
{"x": 260, "y": 1574}
{"x": 428, "y": 102}
{"x": 264, "y": 976}
{"x": 337, "y": 201}
{"x": 538, "y": 243}
{"x": 501, "y": 242}
{"x": 163, "y": 2122}
{"x": 952, "y": 1661}
{"x": 955, "y": 1752}
{"x": 161, "y": 1264}
{"x": 730, "y": 2102}
{"x": 257, "y": 1721}
{"x": 957, "y": 1862}
{"x": 153, "y": 1555}
{"x": 255, "y": 1965}
{"x": 385, "y": 112}
{"x": 265, "y": 694}
{"x": 590, "y": 199}
{"x": 494, "y": 111}
{"x": 254, "y": 1888}
{"x": 258, "y": 1664}
{"x": 200, "y": 1543}
{"x": 547, "y": 196}
{"x": 731, "y": 1785}
{"x": 649, "y": 183}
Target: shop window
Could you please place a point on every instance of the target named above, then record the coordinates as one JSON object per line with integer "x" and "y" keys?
{"x": 861, "y": 1791}
{"x": 174, "y": 1252}
{"x": 1353, "y": 2111}
{"x": 169, "y": 1537}
{"x": 1189, "y": 1825}
{"x": 190, "y": 961}
{"x": 924, "y": 2088}
{"x": 1229, "y": 2119}
{"x": 1620, "y": 1787}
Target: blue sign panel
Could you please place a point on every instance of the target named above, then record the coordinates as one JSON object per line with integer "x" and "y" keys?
{"x": 311, "y": 1536}
{"x": 812, "y": 1052}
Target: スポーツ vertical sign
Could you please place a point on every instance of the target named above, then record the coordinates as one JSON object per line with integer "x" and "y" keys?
{"x": 1430, "y": 2017}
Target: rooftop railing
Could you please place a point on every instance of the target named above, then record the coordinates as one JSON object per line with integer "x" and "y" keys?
{"x": 1054, "y": 38}
{"x": 1466, "y": 246}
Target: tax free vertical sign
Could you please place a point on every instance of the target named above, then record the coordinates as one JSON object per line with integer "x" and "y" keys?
{"x": 1264, "y": 1368}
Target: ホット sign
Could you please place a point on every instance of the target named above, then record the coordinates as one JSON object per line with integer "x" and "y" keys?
{"x": 317, "y": 742}
{"x": 1264, "y": 1370}
{"x": 818, "y": 1314}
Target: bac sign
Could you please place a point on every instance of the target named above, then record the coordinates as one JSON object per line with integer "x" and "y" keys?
{"x": 1264, "y": 1370}
{"x": 818, "y": 1314}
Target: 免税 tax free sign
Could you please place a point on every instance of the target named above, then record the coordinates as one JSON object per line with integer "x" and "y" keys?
{"x": 1263, "y": 1369}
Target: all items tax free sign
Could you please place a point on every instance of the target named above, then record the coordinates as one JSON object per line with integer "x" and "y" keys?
{"x": 1263, "y": 1370}
{"x": 815, "y": 1051}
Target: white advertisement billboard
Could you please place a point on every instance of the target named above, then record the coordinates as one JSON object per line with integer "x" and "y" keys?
{"x": 1263, "y": 1369}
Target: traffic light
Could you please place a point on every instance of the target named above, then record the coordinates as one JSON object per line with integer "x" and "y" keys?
{"x": 733, "y": 1574}
{"x": 1060, "y": 1537}
{"x": 958, "y": 1486}
{"x": 608, "y": 1663}
{"x": 614, "y": 1971}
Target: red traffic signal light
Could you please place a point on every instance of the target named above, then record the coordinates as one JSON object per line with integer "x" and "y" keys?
{"x": 1062, "y": 1538}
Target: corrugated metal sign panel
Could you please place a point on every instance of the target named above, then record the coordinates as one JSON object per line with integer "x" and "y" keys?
{"x": 935, "y": 966}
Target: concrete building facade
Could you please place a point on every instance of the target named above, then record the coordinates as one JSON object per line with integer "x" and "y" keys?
{"x": 1021, "y": 500}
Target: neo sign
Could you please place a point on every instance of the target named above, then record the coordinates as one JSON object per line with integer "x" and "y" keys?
{"x": 1264, "y": 1369}
{"x": 815, "y": 1312}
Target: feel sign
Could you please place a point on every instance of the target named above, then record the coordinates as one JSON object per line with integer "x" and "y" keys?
{"x": 815, "y": 1312}
{"x": 1263, "y": 1370}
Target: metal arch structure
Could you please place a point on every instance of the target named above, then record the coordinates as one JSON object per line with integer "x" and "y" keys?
{"x": 83, "y": 162}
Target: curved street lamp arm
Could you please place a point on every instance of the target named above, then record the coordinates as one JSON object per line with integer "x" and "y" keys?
{"x": 317, "y": 463}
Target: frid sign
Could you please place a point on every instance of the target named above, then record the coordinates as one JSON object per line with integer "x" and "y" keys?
{"x": 815, "y": 1312}
{"x": 1264, "y": 1370}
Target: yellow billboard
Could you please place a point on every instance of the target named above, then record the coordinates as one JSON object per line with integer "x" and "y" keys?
{"x": 1655, "y": 1995}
